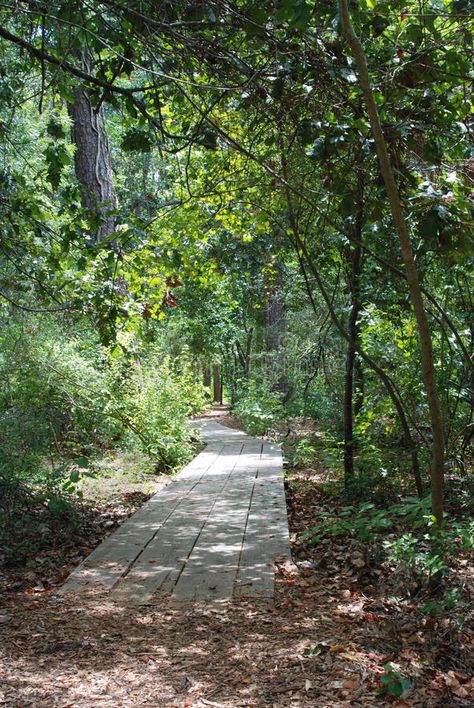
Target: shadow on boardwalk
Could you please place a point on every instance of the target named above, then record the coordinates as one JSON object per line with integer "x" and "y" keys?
{"x": 73, "y": 651}
{"x": 213, "y": 534}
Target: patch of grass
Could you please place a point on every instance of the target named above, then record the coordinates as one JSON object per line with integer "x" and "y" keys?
{"x": 117, "y": 474}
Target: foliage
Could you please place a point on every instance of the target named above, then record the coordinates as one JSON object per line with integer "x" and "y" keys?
{"x": 45, "y": 409}
{"x": 429, "y": 555}
{"x": 304, "y": 452}
{"x": 252, "y": 232}
{"x": 65, "y": 401}
{"x": 30, "y": 511}
{"x": 258, "y": 408}
{"x": 393, "y": 682}
{"x": 428, "y": 552}
{"x": 154, "y": 399}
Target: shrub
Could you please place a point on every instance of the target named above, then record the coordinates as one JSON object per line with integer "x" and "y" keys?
{"x": 258, "y": 408}
{"x": 65, "y": 398}
{"x": 154, "y": 402}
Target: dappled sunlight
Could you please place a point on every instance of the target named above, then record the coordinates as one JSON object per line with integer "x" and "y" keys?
{"x": 213, "y": 533}
{"x": 227, "y": 654}
{"x": 236, "y": 377}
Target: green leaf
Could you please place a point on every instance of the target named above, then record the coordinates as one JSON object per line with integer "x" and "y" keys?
{"x": 82, "y": 462}
{"x": 429, "y": 225}
{"x": 137, "y": 140}
{"x": 207, "y": 138}
{"x": 318, "y": 149}
{"x": 55, "y": 128}
{"x": 308, "y": 130}
{"x": 278, "y": 87}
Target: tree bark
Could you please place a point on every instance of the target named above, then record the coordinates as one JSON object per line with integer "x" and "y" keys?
{"x": 92, "y": 161}
{"x": 301, "y": 251}
{"x": 217, "y": 383}
{"x": 244, "y": 355}
{"x": 424, "y": 333}
{"x": 354, "y": 264}
{"x": 353, "y": 336}
{"x": 359, "y": 386}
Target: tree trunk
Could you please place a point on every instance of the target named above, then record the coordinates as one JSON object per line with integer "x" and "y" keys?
{"x": 275, "y": 328}
{"x": 424, "y": 334}
{"x": 92, "y": 161}
{"x": 301, "y": 251}
{"x": 244, "y": 355}
{"x": 354, "y": 263}
{"x": 353, "y": 336}
{"x": 359, "y": 386}
{"x": 206, "y": 379}
{"x": 217, "y": 383}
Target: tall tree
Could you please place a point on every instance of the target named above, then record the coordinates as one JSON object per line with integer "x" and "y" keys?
{"x": 424, "y": 333}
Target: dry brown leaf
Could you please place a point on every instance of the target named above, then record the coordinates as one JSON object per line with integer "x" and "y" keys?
{"x": 337, "y": 648}
{"x": 351, "y": 684}
{"x": 460, "y": 691}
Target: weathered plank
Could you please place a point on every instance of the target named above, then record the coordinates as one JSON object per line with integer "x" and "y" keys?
{"x": 212, "y": 534}
{"x": 266, "y": 534}
{"x": 164, "y": 557}
{"x": 211, "y": 570}
{"x": 111, "y": 559}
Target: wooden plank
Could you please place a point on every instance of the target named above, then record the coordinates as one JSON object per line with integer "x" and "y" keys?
{"x": 214, "y": 432}
{"x": 271, "y": 461}
{"x": 114, "y": 555}
{"x": 163, "y": 559}
{"x": 111, "y": 559}
{"x": 266, "y": 534}
{"x": 211, "y": 569}
{"x": 165, "y": 556}
{"x": 214, "y": 532}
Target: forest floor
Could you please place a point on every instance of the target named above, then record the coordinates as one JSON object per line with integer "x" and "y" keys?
{"x": 335, "y": 625}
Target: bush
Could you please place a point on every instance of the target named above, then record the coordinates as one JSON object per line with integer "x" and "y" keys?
{"x": 258, "y": 408}
{"x": 65, "y": 398}
{"x": 33, "y": 510}
{"x": 427, "y": 552}
{"x": 154, "y": 401}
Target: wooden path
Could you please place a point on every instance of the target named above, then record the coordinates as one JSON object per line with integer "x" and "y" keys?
{"x": 212, "y": 534}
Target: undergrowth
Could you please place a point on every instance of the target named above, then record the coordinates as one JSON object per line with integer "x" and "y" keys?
{"x": 395, "y": 533}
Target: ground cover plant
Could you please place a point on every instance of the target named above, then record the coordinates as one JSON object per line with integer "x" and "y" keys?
{"x": 345, "y": 629}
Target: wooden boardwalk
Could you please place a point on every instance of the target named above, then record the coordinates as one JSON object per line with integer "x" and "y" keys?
{"x": 212, "y": 534}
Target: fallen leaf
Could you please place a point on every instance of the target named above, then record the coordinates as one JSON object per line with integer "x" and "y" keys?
{"x": 351, "y": 684}
{"x": 461, "y": 692}
{"x": 336, "y": 648}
